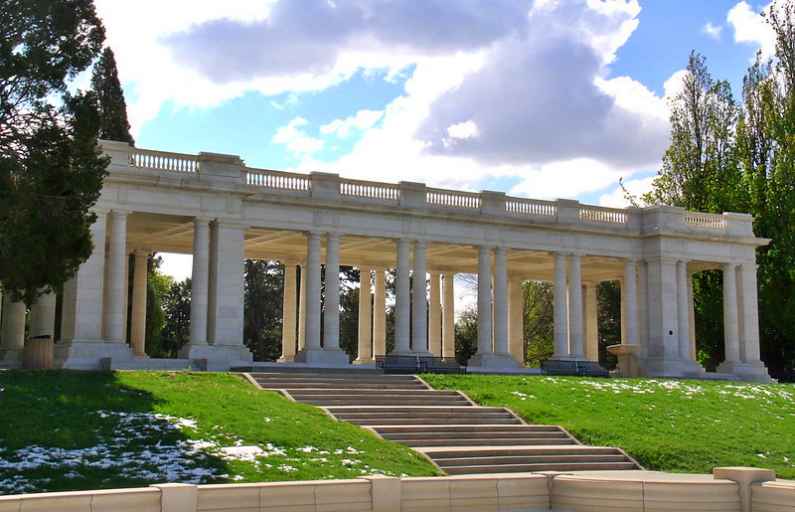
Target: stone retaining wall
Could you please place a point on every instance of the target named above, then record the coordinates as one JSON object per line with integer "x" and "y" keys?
{"x": 728, "y": 490}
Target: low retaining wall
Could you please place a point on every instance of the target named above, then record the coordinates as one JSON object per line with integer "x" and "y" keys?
{"x": 728, "y": 490}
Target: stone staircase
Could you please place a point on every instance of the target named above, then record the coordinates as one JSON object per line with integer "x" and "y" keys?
{"x": 456, "y": 434}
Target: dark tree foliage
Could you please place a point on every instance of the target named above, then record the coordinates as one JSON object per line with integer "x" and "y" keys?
{"x": 466, "y": 335}
{"x": 175, "y": 333}
{"x": 349, "y": 311}
{"x": 538, "y": 323}
{"x": 608, "y": 314}
{"x": 50, "y": 167}
{"x": 112, "y": 107}
{"x": 262, "y": 314}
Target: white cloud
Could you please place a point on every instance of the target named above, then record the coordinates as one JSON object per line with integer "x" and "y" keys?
{"x": 617, "y": 198}
{"x": 750, "y": 27}
{"x": 712, "y": 31}
{"x": 362, "y": 120}
{"x": 465, "y": 130}
{"x": 296, "y": 139}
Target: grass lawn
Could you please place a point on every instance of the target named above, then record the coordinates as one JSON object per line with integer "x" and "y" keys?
{"x": 680, "y": 426}
{"x": 63, "y": 430}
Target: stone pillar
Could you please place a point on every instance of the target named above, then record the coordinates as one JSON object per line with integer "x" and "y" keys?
{"x": 501, "y": 301}
{"x": 331, "y": 317}
{"x": 302, "y": 309}
{"x": 419, "y": 317}
{"x": 560, "y": 311}
{"x": 138, "y": 326}
{"x": 630, "y": 296}
{"x": 116, "y": 290}
{"x": 379, "y": 313}
{"x": 731, "y": 335}
{"x": 403, "y": 299}
{"x": 435, "y": 316}
{"x": 643, "y": 308}
{"x": 42, "y": 316}
{"x": 288, "y": 313}
{"x": 691, "y": 317}
{"x": 200, "y": 282}
{"x": 591, "y": 324}
{"x": 312, "y": 320}
{"x": 753, "y": 368}
{"x": 13, "y": 334}
{"x": 448, "y": 317}
{"x": 484, "y": 301}
{"x": 683, "y": 309}
{"x": 577, "y": 344}
{"x": 365, "y": 348}
{"x": 516, "y": 320}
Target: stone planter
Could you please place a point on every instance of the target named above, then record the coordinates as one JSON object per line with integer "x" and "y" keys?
{"x": 38, "y": 353}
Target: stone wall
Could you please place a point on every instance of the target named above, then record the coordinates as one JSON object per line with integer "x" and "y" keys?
{"x": 728, "y": 490}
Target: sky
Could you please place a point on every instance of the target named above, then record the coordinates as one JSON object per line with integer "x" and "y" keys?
{"x": 537, "y": 98}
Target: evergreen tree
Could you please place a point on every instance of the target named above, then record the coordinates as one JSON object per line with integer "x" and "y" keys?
{"x": 112, "y": 107}
{"x": 50, "y": 167}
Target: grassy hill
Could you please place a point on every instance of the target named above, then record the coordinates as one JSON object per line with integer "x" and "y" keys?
{"x": 64, "y": 430}
{"x": 669, "y": 425}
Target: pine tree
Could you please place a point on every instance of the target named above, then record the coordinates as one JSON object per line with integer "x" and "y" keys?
{"x": 113, "y": 108}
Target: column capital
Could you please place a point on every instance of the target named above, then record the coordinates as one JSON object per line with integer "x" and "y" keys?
{"x": 141, "y": 251}
{"x": 231, "y": 223}
{"x": 203, "y": 219}
{"x": 120, "y": 211}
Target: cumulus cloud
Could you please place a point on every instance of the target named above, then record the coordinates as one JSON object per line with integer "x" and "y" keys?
{"x": 617, "y": 197}
{"x": 712, "y": 31}
{"x": 750, "y": 27}
{"x": 295, "y": 139}
{"x": 342, "y": 128}
{"x": 541, "y": 97}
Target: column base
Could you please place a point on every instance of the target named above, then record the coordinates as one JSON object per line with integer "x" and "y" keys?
{"x": 91, "y": 355}
{"x": 755, "y": 371}
{"x": 218, "y": 357}
{"x": 286, "y": 359}
{"x": 660, "y": 367}
{"x": 10, "y": 358}
{"x": 364, "y": 362}
{"x": 322, "y": 357}
{"x": 493, "y": 360}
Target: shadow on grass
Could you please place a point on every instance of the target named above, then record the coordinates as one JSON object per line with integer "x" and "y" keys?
{"x": 68, "y": 430}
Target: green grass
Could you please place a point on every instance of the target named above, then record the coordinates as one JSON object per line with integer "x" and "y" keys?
{"x": 678, "y": 426}
{"x": 64, "y": 430}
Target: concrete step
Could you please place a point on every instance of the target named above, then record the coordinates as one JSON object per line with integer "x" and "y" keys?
{"x": 453, "y": 429}
{"x": 430, "y": 421}
{"x": 485, "y": 433}
{"x": 420, "y": 410}
{"x": 518, "y": 450}
{"x": 525, "y": 441}
{"x": 335, "y": 377}
{"x": 382, "y": 401}
{"x": 547, "y": 466}
{"x": 371, "y": 392}
{"x": 338, "y": 386}
{"x": 510, "y": 460}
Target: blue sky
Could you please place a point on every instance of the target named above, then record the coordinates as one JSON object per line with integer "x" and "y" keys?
{"x": 538, "y": 98}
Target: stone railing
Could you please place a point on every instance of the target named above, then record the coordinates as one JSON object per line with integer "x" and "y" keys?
{"x": 229, "y": 169}
{"x": 727, "y": 490}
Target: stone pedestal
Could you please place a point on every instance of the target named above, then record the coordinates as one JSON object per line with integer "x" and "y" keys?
{"x": 322, "y": 357}
{"x": 661, "y": 367}
{"x": 628, "y": 364}
{"x": 220, "y": 357}
{"x": 493, "y": 360}
{"x": 89, "y": 355}
{"x": 756, "y": 372}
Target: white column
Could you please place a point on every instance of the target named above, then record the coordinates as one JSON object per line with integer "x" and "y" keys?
{"x": 560, "y": 312}
{"x": 591, "y": 324}
{"x": 13, "y": 334}
{"x": 643, "y": 308}
{"x": 138, "y": 326}
{"x": 365, "y": 335}
{"x": 312, "y": 308}
{"x": 501, "y": 301}
{"x": 403, "y": 299}
{"x": 630, "y": 296}
{"x": 116, "y": 296}
{"x": 83, "y": 295}
{"x": 682, "y": 310}
{"x": 730, "y": 330}
{"x": 575, "y": 308}
{"x": 750, "y": 313}
{"x": 302, "y": 310}
{"x": 288, "y": 312}
{"x": 226, "y": 276}
{"x": 691, "y": 316}
{"x": 42, "y": 316}
{"x": 419, "y": 317}
{"x": 516, "y": 320}
{"x": 331, "y": 317}
{"x": 448, "y": 314}
{"x": 200, "y": 282}
{"x": 379, "y": 313}
{"x": 435, "y": 316}
{"x": 484, "y": 301}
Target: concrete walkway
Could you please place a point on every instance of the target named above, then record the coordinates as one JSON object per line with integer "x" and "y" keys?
{"x": 455, "y": 433}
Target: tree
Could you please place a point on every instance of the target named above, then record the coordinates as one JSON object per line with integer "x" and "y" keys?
{"x": 50, "y": 167}
{"x": 175, "y": 305}
{"x": 262, "y": 313}
{"x": 112, "y": 107}
{"x": 466, "y": 335}
{"x": 539, "y": 323}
